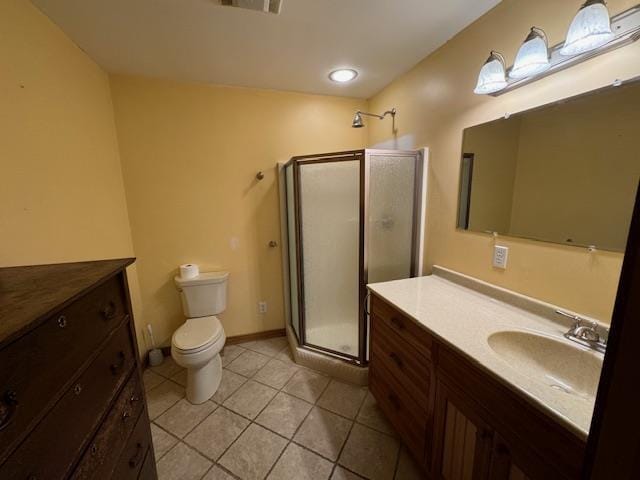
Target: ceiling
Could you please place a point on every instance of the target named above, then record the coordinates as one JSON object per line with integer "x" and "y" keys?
{"x": 199, "y": 40}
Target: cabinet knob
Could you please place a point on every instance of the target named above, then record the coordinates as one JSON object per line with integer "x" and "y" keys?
{"x": 396, "y": 358}
{"x": 77, "y": 389}
{"x": 398, "y": 323}
{"x": 394, "y": 401}
{"x": 62, "y": 321}
{"x": 109, "y": 310}
{"x": 117, "y": 366}
{"x": 136, "y": 457}
{"x": 7, "y": 407}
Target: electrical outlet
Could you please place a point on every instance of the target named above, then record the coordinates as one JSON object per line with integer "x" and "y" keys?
{"x": 262, "y": 307}
{"x": 500, "y": 256}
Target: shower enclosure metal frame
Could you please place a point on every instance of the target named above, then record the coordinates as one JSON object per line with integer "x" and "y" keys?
{"x": 363, "y": 156}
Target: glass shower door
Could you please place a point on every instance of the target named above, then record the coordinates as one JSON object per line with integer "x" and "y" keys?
{"x": 330, "y": 236}
{"x": 390, "y": 215}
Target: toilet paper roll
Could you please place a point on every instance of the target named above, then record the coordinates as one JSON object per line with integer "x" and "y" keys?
{"x": 189, "y": 270}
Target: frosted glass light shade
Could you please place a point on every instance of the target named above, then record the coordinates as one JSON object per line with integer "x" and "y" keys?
{"x": 590, "y": 29}
{"x": 533, "y": 56}
{"x": 492, "y": 77}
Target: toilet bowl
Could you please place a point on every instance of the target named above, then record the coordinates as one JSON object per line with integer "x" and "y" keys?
{"x": 196, "y": 346}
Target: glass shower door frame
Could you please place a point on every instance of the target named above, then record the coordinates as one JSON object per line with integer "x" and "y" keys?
{"x": 299, "y": 162}
{"x": 364, "y": 157}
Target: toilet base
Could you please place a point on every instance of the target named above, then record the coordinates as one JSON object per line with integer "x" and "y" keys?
{"x": 203, "y": 382}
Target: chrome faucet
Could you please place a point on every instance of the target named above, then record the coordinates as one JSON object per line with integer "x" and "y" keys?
{"x": 586, "y": 333}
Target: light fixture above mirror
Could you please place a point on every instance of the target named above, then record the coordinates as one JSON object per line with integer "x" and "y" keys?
{"x": 590, "y": 29}
{"x": 492, "y": 76}
{"x": 592, "y": 33}
{"x": 533, "y": 56}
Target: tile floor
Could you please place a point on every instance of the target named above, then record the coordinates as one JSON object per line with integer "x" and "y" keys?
{"x": 270, "y": 419}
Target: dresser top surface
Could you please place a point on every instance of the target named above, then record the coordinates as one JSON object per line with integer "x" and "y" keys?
{"x": 31, "y": 293}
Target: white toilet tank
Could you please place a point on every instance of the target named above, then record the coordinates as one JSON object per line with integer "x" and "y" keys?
{"x": 203, "y": 295}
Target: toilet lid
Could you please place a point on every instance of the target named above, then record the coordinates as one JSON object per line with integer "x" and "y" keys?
{"x": 197, "y": 332}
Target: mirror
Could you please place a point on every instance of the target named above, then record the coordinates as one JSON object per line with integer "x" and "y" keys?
{"x": 564, "y": 173}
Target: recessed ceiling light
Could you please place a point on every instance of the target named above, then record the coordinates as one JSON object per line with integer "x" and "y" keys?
{"x": 343, "y": 75}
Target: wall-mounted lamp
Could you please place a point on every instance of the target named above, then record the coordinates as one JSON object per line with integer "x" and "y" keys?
{"x": 493, "y": 75}
{"x": 590, "y": 29}
{"x": 592, "y": 33}
{"x": 533, "y": 56}
{"x": 357, "y": 118}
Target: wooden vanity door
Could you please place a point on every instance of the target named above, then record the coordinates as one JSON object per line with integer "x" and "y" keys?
{"x": 463, "y": 442}
{"x": 465, "y": 446}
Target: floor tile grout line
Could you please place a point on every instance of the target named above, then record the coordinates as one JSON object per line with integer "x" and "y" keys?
{"x": 168, "y": 433}
{"x": 289, "y": 441}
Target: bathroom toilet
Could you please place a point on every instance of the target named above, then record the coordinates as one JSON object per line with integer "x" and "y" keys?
{"x": 196, "y": 345}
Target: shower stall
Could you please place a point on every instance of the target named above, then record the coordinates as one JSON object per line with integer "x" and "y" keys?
{"x": 351, "y": 218}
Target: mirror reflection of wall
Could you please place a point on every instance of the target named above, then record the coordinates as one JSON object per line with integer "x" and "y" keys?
{"x": 564, "y": 173}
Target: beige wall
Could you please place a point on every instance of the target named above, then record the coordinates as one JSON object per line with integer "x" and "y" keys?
{"x": 190, "y": 154}
{"x": 62, "y": 196}
{"x": 435, "y": 103}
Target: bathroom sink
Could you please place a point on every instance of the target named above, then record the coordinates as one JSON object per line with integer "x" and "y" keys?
{"x": 558, "y": 364}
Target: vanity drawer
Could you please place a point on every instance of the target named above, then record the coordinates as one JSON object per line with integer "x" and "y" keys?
{"x": 131, "y": 460}
{"x": 101, "y": 455}
{"x": 53, "y": 352}
{"x": 404, "y": 326}
{"x": 400, "y": 409}
{"x": 53, "y": 446}
{"x": 410, "y": 368}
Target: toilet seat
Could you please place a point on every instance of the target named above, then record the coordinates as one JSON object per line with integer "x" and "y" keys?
{"x": 197, "y": 334}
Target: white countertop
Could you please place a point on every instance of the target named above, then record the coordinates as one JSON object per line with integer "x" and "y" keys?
{"x": 464, "y": 318}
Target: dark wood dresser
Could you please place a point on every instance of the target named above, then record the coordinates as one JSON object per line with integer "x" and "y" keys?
{"x": 72, "y": 402}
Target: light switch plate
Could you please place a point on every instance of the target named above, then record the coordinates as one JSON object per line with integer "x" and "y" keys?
{"x": 500, "y": 256}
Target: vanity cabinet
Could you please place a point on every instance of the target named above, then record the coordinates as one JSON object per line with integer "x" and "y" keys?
{"x": 72, "y": 401}
{"x": 472, "y": 426}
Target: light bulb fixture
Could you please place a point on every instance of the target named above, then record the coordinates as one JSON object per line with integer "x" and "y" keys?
{"x": 343, "y": 75}
{"x": 590, "y": 29}
{"x": 592, "y": 33}
{"x": 357, "y": 118}
{"x": 533, "y": 56}
{"x": 492, "y": 77}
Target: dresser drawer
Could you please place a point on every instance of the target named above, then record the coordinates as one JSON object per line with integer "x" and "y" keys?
{"x": 400, "y": 409}
{"x": 132, "y": 457}
{"x": 53, "y": 353}
{"x": 148, "y": 470}
{"x": 404, "y": 326}
{"x": 101, "y": 455}
{"x": 410, "y": 368}
{"x": 54, "y": 445}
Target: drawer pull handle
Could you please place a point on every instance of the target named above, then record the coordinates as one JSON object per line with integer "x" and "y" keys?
{"x": 77, "y": 389}
{"x": 398, "y": 361}
{"x": 125, "y": 416}
{"x": 399, "y": 324}
{"x": 134, "y": 399}
{"x": 136, "y": 457}
{"x": 7, "y": 408}
{"x": 394, "y": 401}
{"x": 109, "y": 310}
{"x": 94, "y": 449}
{"x": 115, "y": 367}
{"x": 62, "y": 321}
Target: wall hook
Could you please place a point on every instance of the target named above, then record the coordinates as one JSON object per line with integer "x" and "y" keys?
{"x": 260, "y": 175}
